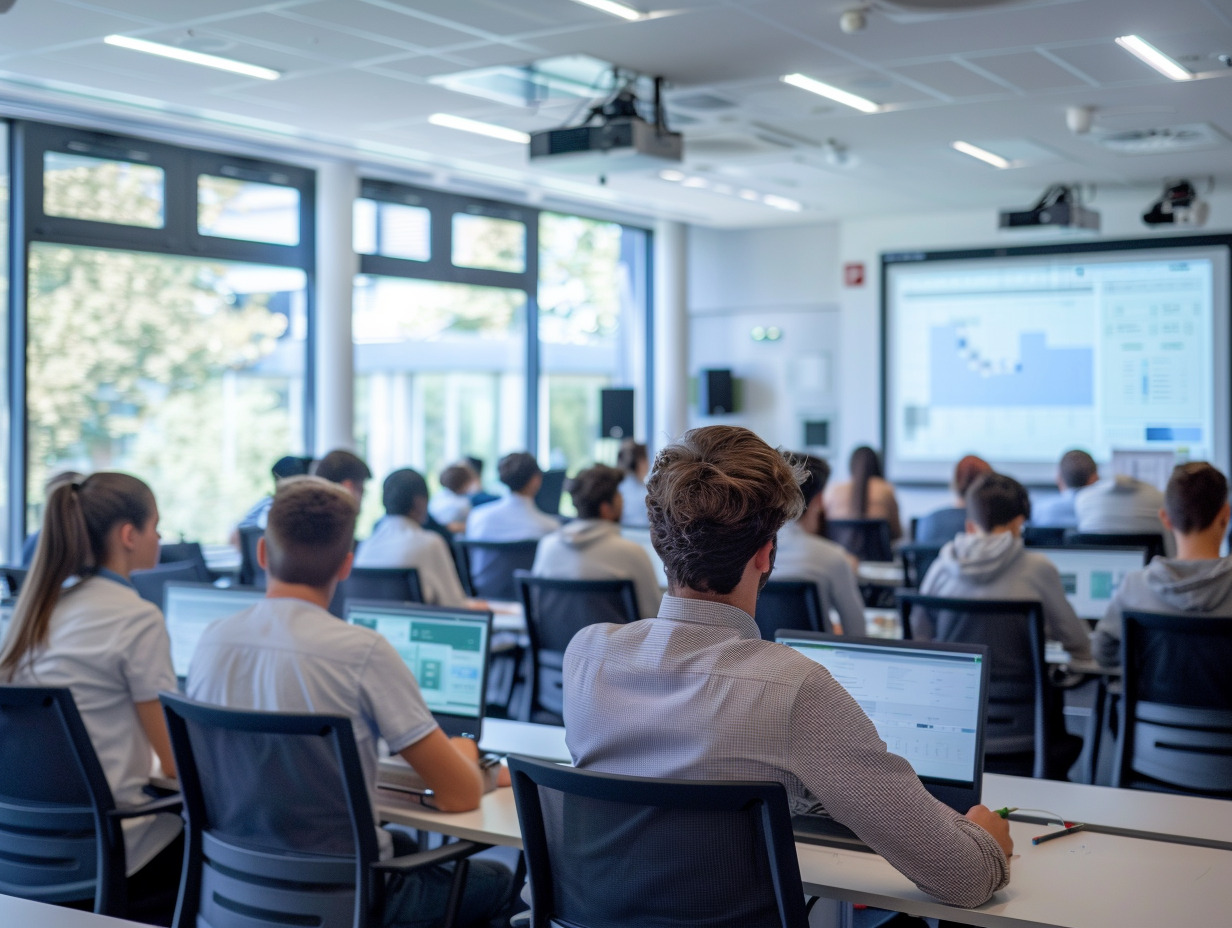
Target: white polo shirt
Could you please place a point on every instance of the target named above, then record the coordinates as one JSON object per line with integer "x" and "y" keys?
{"x": 510, "y": 518}
{"x": 400, "y": 542}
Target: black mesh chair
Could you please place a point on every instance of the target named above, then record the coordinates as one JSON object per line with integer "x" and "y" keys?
{"x": 389, "y": 584}
{"x": 186, "y": 551}
{"x": 866, "y": 539}
{"x": 150, "y": 583}
{"x": 13, "y": 577}
{"x": 1176, "y": 728}
{"x": 254, "y": 857}
{"x": 606, "y": 850}
{"x": 556, "y": 610}
{"x": 791, "y": 604}
{"x": 60, "y": 832}
{"x": 917, "y": 558}
{"x": 251, "y": 573}
{"x": 1026, "y": 730}
{"x": 1153, "y": 543}
{"x": 486, "y": 567}
{"x": 1044, "y": 536}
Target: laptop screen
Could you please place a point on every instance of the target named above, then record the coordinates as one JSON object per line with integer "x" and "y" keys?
{"x": 1091, "y": 575}
{"x": 446, "y": 650}
{"x": 926, "y": 700}
{"x": 190, "y": 607}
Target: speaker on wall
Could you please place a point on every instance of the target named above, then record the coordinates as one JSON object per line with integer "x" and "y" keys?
{"x": 616, "y": 412}
{"x": 714, "y": 392}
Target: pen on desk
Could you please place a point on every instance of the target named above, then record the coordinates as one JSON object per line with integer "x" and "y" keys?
{"x": 1069, "y": 829}
{"x": 1005, "y": 812}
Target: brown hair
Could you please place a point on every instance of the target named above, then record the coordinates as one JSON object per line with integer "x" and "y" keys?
{"x": 995, "y": 500}
{"x": 517, "y": 469}
{"x": 310, "y": 529}
{"x": 340, "y": 465}
{"x": 864, "y": 466}
{"x": 593, "y": 487}
{"x": 715, "y": 496}
{"x": 632, "y": 453}
{"x": 1196, "y": 492}
{"x": 1077, "y": 468}
{"x": 77, "y": 521}
{"x": 967, "y": 471}
{"x": 457, "y": 477}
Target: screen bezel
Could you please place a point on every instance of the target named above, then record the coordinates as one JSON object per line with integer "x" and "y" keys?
{"x": 222, "y": 591}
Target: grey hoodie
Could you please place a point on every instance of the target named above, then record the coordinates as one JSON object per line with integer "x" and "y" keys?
{"x": 1165, "y": 585}
{"x": 592, "y": 549}
{"x": 997, "y": 566}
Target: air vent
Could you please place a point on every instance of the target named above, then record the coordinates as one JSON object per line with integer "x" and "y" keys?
{"x": 905, "y": 11}
{"x": 1189, "y": 137}
{"x": 705, "y": 102}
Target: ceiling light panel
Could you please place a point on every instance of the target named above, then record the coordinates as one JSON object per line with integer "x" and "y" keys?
{"x": 612, "y": 8}
{"x": 1145, "y": 51}
{"x": 492, "y": 131}
{"x": 191, "y": 57}
{"x": 982, "y": 154}
{"x": 832, "y": 93}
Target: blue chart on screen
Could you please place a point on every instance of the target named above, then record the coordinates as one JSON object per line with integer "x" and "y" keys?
{"x": 1040, "y": 375}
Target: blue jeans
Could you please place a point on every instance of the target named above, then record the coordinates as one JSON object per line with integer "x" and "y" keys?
{"x": 418, "y": 899}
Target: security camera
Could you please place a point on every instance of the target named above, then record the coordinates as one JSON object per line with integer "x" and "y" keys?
{"x": 853, "y": 20}
{"x": 1079, "y": 119}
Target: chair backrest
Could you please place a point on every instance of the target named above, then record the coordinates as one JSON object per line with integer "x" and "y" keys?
{"x": 1043, "y": 536}
{"x": 253, "y": 856}
{"x": 150, "y": 583}
{"x": 917, "y": 558}
{"x": 251, "y": 573}
{"x": 1176, "y": 732}
{"x": 1022, "y": 712}
{"x": 393, "y": 584}
{"x": 794, "y": 604}
{"x": 604, "y": 850}
{"x": 867, "y": 539}
{"x": 57, "y": 842}
{"x": 14, "y": 577}
{"x": 556, "y": 610}
{"x": 550, "y": 489}
{"x": 1153, "y": 542}
{"x": 486, "y": 567}
{"x": 186, "y": 551}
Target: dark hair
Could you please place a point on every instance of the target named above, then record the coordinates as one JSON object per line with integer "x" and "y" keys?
{"x": 310, "y": 529}
{"x": 632, "y": 453}
{"x": 1077, "y": 468}
{"x": 966, "y": 471}
{"x": 816, "y": 473}
{"x": 77, "y": 521}
{"x": 475, "y": 463}
{"x": 290, "y": 466}
{"x": 715, "y": 496}
{"x": 340, "y": 465}
{"x": 864, "y": 466}
{"x": 517, "y": 469}
{"x": 457, "y": 477}
{"x": 1195, "y": 493}
{"x": 401, "y": 489}
{"x": 995, "y": 500}
{"x": 593, "y": 487}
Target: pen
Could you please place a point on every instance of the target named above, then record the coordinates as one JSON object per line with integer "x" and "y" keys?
{"x": 1069, "y": 829}
{"x": 1005, "y": 812}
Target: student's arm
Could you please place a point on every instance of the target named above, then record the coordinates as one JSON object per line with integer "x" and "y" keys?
{"x": 1106, "y": 640}
{"x": 845, "y": 598}
{"x": 442, "y": 573}
{"x": 450, "y": 768}
{"x": 1061, "y": 623}
{"x": 147, "y": 672}
{"x": 150, "y": 714}
{"x": 891, "y": 507}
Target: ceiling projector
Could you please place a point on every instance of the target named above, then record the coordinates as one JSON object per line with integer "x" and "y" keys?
{"x": 612, "y": 137}
{"x": 1178, "y": 204}
{"x": 1059, "y": 208}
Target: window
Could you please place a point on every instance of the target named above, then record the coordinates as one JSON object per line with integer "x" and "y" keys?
{"x": 492, "y": 244}
{"x": 393, "y": 230}
{"x": 242, "y": 209}
{"x": 102, "y": 190}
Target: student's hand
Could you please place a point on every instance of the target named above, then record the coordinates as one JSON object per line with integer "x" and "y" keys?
{"x": 504, "y": 778}
{"x": 995, "y": 825}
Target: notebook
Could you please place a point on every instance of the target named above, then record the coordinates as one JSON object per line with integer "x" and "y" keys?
{"x": 1091, "y": 575}
{"x": 190, "y": 607}
{"x": 928, "y": 702}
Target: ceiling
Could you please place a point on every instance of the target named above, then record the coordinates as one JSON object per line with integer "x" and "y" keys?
{"x": 356, "y": 77}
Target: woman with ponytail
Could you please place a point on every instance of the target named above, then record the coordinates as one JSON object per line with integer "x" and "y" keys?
{"x": 79, "y": 623}
{"x": 867, "y": 495}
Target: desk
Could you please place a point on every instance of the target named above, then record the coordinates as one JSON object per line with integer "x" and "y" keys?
{"x": 507, "y": 616}
{"x": 22, "y": 913}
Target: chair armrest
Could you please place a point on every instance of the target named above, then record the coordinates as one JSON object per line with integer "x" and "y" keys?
{"x": 522, "y": 918}
{"x": 166, "y": 804}
{"x": 439, "y": 855}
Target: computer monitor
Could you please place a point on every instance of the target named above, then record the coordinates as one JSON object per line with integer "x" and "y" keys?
{"x": 927, "y": 700}
{"x": 190, "y": 607}
{"x": 446, "y": 650}
{"x": 1090, "y": 575}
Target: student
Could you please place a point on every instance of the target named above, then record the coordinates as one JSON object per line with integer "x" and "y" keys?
{"x": 804, "y": 555}
{"x": 287, "y": 466}
{"x": 514, "y": 517}
{"x": 942, "y": 525}
{"x": 1076, "y": 470}
{"x": 481, "y": 496}
{"x": 590, "y": 547}
{"x": 452, "y": 504}
{"x": 1121, "y": 504}
{"x": 288, "y": 654}
{"x": 349, "y": 470}
{"x": 31, "y": 543}
{"x": 400, "y": 540}
{"x": 695, "y": 693}
{"x": 79, "y": 623}
{"x": 867, "y": 495}
{"x": 1197, "y": 580}
{"x": 635, "y": 462}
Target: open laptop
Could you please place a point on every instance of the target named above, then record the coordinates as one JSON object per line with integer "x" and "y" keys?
{"x": 1090, "y": 575}
{"x": 190, "y": 607}
{"x": 928, "y": 702}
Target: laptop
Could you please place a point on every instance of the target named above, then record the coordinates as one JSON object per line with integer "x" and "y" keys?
{"x": 1090, "y": 575}
{"x": 190, "y": 607}
{"x": 928, "y": 702}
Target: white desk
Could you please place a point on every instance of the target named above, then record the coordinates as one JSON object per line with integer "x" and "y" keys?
{"x": 880, "y": 573}
{"x": 507, "y": 616}
{"x": 22, "y": 913}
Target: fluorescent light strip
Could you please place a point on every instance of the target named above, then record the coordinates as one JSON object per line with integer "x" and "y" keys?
{"x": 833, "y": 93}
{"x": 982, "y": 154}
{"x": 701, "y": 183}
{"x": 183, "y": 54}
{"x": 1147, "y": 52}
{"x": 614, "y": 9}
{"x": 783, "y": 203}
{"x": 479, "y": 128}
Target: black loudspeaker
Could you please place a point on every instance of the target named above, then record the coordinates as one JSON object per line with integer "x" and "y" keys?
{"x": 616, "y": 413}
{"x": 714, "y": 393}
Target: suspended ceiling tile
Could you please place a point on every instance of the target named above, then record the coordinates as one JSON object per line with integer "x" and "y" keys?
{"x": 306, "y": 37}
{"x": 280, "y": 59}
{"x": 1107, "y": 63}
{"x": 489, "y": 54}
{"x": 168, "y": 11}
{"x": 354, "y": 96}
{"x": 415, "y": 66}
{"x": 48, "y": 23}
{"x": 508, "y": 17}
{"x": 951, "y": 79}
{"x": 1029, "y": 71}
{"x": 380, "y": 23}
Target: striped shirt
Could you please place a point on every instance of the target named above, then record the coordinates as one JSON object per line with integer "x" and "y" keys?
{"x": 696, "y": 694}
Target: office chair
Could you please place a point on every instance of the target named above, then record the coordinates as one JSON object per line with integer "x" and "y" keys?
{"x": 190, "y": 551}
{"x": 486, "y": 568}
{"x": 1176, "y": 727}
{"x": 1026, "y": 729}
{"x": 791, "y": 604}
{"x": 279, "y": 823}
{"x": 60, "y": 831}
{"x": 1044, "y": 536}
{"x": 13, "y": 577}
{"x": 556, "y": 610}
{"x": 150, "y": 583}
{"x": 392, "y": 584}
{"x": 1154, "y": 543}
{"x": 866, "y": 539}
{"x": 917, "y": 558}
{"x": 603, "y": 850}
{"x": 251, "y": 573}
